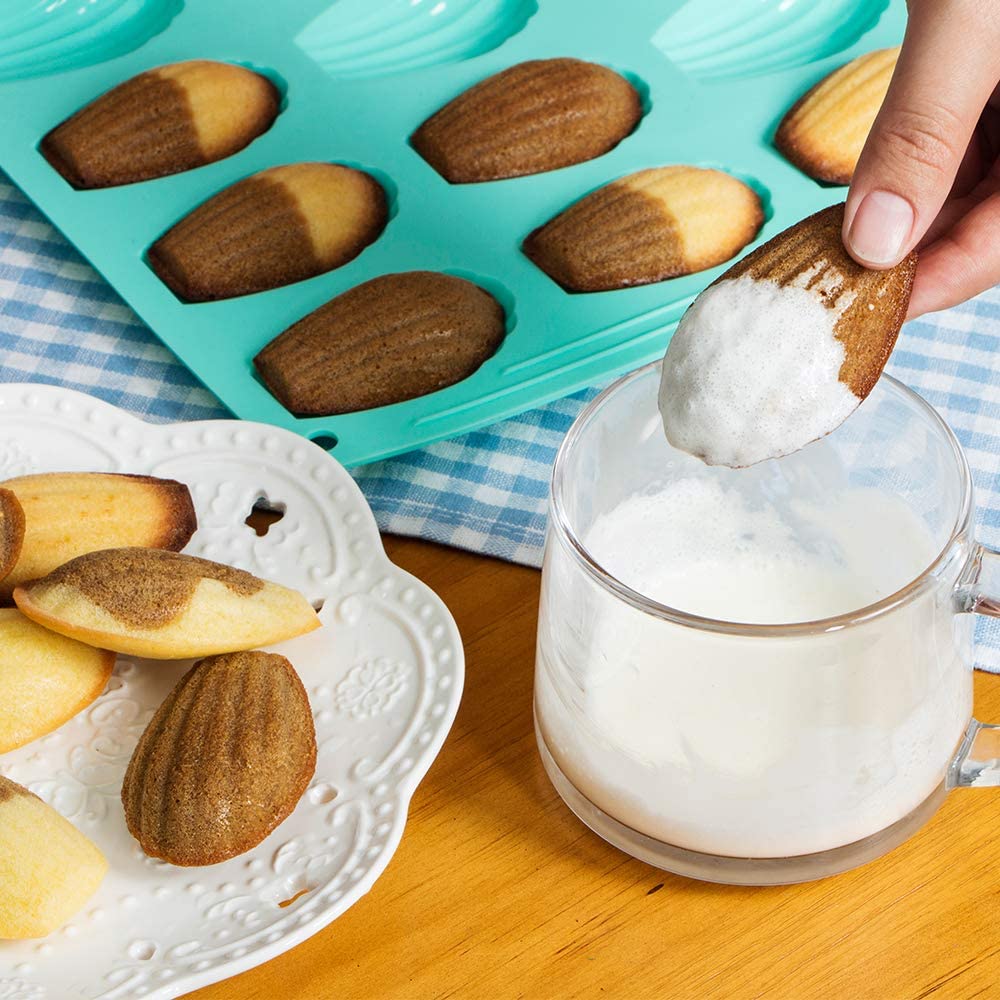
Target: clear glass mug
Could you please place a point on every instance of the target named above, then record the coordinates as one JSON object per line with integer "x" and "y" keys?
{"x": 751, "y": 753}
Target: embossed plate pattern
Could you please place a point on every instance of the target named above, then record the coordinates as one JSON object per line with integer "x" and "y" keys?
{"x": 384, "y": 677}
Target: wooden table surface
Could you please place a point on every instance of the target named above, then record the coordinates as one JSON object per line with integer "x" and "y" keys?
{"x": 497, "y": 891}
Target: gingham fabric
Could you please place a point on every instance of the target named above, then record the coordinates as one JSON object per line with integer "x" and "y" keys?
{"x": 486, "y": 491}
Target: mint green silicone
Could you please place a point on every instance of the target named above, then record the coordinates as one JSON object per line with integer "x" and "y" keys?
{"x": 359, "y": 76}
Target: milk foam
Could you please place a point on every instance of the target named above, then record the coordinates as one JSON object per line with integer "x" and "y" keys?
{"x": 710, "y": 550}
{"x": 752, "y": 373}
{"x": 741, "y": 746}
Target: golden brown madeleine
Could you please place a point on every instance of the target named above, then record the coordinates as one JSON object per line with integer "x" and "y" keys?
{"x": 533, "y": 117}
{"x": 45, "y": 678}
{"x": 825, "y": 130}
{"x": 276, "y": 227}
{"x": 11, "y": 531}
{"x": 871, "y": 304}
{"x": 225, "y": 759}
{"x": 163, "y": 121}
{"x": 48, "y": 869}
{"x": 646, "y": 227}
{"x": 149, "y": 602}
{"x": 69, "y": 513}
{"x": 389, "y": 339}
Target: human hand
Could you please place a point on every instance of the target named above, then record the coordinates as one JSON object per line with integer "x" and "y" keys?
{"x": 929, "y": 175}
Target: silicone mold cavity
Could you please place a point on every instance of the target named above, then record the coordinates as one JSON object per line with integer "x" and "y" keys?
{"x": 742, "y": 38}
{"x": 355, "y": 38}
{"x": 39, "y": 38}
{"x": 361, "y": 76}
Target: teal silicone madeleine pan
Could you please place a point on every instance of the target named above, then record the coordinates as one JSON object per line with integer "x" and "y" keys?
{"x": 358, "y": 77}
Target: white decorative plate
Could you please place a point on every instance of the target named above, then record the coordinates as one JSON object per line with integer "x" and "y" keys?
{"x": 384, "y": 677}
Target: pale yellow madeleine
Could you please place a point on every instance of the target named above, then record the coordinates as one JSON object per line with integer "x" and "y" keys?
{"x": 48, "y": 869}
{"x": 45, "y": 678}
{"x": 227, "y": 105}
{"x": 69, "y": 513}
{"x": 825, "y": 130}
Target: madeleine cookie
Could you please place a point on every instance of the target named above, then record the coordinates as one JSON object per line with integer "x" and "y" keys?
{"x": 163, "y": 121}
{"x": 11, "y": 531}
{"x": 870, "y": 305}
{"x": 782, "y": 348}
{"x": 282, "y": 225}
{"x": 48, "y": 869}
{"x": 45, "y": 678}
{"x": 646, "y": 227}
{"x": 389, "y": 339}
{"x": 69, "y": 513}
{"x": 225, "y": 759}
{"x": 825, "y": 130}
{"x": 533, "y": 117}
{"x": 149, "y": 602}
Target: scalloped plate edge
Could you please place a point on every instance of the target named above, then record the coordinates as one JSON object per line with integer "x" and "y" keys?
{"x": 11, "y": 396}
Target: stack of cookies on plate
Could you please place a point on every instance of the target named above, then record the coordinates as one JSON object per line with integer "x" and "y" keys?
{"x": 91, "y": 564}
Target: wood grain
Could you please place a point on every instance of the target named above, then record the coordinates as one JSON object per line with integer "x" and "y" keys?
{"x": 498, "y": 891}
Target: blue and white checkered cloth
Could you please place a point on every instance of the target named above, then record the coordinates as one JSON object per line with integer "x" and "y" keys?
{"x": 486, "y": 491}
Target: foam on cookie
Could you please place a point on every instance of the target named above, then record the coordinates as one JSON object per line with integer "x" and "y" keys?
{"x": 752, "y": 372}
{"x": 781, "y": 348}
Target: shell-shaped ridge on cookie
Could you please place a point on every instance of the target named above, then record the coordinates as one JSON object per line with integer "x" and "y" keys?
{"x": 163, "y": 121}
{"x": 390, "y": 339}
{"x": 279, "y": 226}
{"x": 655, "y": 224}
{"x": 530, "y": 118}
{"x": 824, "y": 132}
{"x": 224, "y": 760}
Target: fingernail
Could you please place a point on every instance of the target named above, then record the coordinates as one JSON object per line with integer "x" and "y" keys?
{"x": 881, "y": 227}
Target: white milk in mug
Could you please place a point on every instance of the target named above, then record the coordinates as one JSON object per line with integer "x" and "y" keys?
{"x": 765, "y": 663}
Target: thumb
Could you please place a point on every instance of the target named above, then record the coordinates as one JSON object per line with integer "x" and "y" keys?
{"x": 946, "y": 71}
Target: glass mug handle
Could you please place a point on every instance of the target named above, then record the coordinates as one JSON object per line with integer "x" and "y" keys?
{"x": 977, "y": 761}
